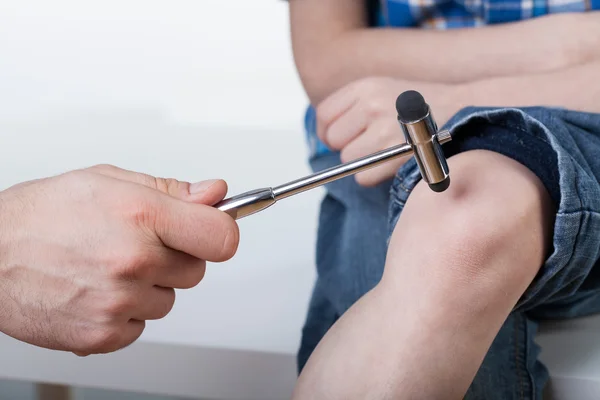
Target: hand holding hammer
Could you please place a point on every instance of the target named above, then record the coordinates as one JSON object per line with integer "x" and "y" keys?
{"x": 422, "y": 140}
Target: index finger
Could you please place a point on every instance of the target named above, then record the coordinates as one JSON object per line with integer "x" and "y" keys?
{"x": 333, "y": 107}
{"x": 205, "y": 192}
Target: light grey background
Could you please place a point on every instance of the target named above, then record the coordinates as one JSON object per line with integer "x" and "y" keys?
{"x": 186, "y": 89}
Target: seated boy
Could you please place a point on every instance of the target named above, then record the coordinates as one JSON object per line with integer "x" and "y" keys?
{"x": 424, "y": 295}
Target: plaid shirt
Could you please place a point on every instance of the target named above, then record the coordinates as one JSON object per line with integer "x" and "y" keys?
{"x": 451, "y": 14}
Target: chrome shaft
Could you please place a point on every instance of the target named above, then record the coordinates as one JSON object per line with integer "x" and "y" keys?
{"x": 339, "y": 171}
{"x": 257, "y": 200}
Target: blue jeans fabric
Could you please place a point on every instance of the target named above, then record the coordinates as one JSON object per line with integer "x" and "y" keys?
{"x": 562, "y": 148}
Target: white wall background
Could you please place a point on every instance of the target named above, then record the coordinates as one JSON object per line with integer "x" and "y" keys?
{"x": 198, "y": 61}
{"x": 162, "y": 87}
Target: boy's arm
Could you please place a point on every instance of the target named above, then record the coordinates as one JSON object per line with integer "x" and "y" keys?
{"x": 575, "y": 88}
{"x": 333, "y": 46}
{"x": 360, "y": 118}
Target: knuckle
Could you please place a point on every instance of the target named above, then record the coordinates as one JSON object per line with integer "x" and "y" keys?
{"x": 103, "y": 167}
{"x": 130, "y": 335}
{"x": 346, "y": 155}
{"x": 102, "y": 340}
{"x": 361, "y": 179}
{"x": 139, "y": 211}
{"x": 370, "y": 85}
{"x": 118, "y": 306}
{"x": 79, "y": 177}
{"x": 322, "y": 125}
{"x": 165, "y": 307}
{"x": 365, "y": 179}
{"x": 334, "y": 141}
{"x": 373, "y": 107}
{"x": 321, "y": 112}
{"x": 173, "y": 184}
{"x": 132, "y": 265}
{"x": 192, "y": 276}
{"x": 230, "y": 242}
{"x": 150, "y": 181}
{"x": 197, "y": 275}
{"x": 365, "y": 83}
{"x": 166, "y": 185}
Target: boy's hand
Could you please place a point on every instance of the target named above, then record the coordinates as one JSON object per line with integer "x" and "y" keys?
{"x": 88, "y": 256}
{"x": 361, "y": 119}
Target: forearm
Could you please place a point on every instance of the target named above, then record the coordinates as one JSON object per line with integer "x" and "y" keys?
{"x": 333, "y": 47}
{"x": 575, "y": 88}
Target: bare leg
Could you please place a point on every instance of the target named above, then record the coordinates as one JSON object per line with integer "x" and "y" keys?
{"x": 457, "y": 264}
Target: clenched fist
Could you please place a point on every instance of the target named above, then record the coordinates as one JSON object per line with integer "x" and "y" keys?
{"x": 88, "y": 256}
{"x": 360, "y": 119}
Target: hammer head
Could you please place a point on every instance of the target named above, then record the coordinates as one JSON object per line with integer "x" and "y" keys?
{"x": 420, "y": 132}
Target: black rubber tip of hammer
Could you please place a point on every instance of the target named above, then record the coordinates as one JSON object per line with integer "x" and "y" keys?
{"x": 411, "y": 106}
{"x": 440, "y": 186}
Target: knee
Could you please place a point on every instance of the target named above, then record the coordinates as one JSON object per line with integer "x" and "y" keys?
{"x": 491, "y": 227}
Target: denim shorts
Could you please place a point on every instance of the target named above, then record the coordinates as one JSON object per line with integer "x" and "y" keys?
{"x": 562, "y": 147}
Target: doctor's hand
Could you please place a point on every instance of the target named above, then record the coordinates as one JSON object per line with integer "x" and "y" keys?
{"x": 88, "y": 256}
{"x": 360, "y": 119}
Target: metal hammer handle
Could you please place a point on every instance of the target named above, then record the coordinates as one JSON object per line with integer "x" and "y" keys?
{"x": 422, "y": 140}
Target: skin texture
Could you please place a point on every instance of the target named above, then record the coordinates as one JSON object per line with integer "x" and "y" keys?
{"x": 88, "y": 256}
{"x": 333, "y": 46}
{"x": 436, "y": 309}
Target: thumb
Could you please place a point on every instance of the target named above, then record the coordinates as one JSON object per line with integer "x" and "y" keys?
{"x": 207, "y": 192}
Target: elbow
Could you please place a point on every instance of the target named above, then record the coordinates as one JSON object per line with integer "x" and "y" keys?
{"x": 321, "y": 71}
{"x": 316, "y": 80}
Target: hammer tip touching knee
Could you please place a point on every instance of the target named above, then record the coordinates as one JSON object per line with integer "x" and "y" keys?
{"x": 420, "y": 131}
